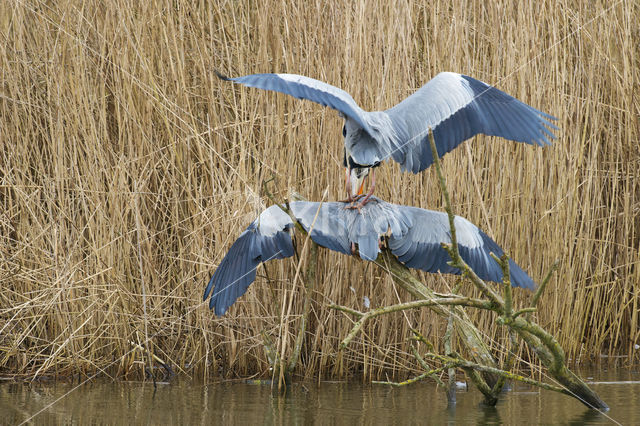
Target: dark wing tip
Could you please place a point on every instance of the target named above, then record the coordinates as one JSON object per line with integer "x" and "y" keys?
{"x": 222, "y": 76}
{"x": 519, "y": 278}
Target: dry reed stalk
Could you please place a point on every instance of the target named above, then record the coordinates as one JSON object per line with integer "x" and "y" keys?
{"x": 99, "y": 98}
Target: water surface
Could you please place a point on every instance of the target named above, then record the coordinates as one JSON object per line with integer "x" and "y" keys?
{"x": 184, "y": 402}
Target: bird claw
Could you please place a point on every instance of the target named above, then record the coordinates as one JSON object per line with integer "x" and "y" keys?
{"x": 354, "y": 206}
{"x": 359, "y": 205}
{"x": 351, "y": 199}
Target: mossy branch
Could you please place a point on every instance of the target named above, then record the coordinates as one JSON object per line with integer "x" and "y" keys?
{"x": 543, "y": 343}
{"x": 430, "y": 373}
{"x": 365, "y": 316}
{"x": 464, "y": 327}
{"x": 452, "y": 249}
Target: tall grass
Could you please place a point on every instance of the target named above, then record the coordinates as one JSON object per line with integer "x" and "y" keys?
{"x": 124, "y": 160}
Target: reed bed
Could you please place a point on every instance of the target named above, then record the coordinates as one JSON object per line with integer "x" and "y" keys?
{"x": 127, "y": 169}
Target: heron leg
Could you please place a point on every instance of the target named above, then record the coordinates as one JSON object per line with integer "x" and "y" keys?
{"x": 353, "y": 248}
{"x": 350, "y": 198}
{"x": 347, "y": 185}
{"x": 371, "y": 188}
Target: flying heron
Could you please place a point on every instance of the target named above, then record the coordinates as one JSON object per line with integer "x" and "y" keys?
{"x": 412, "y": 234}
{"x": 456, "y": 107}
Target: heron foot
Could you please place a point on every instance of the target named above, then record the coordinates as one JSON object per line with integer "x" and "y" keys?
{"x": 351, "y": 199}
{"x": 354, "y": 206}
{"x": 359, "y": 205}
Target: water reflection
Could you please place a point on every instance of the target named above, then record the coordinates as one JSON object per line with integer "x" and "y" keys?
{"x": 184, "y": 402}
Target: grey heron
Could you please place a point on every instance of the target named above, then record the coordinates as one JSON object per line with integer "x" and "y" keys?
{"x": 456, "y": 107}
{"x": 412, "y": 234}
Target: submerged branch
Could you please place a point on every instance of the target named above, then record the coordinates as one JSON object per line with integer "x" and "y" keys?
{"x": 451, "y": 371}
{"x": 464, "y": 364}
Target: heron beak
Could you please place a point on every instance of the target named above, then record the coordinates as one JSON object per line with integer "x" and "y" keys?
{"x": 356, "y": 179}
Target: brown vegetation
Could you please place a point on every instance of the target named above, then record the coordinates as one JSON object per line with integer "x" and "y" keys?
{"x": 124, "y": 160}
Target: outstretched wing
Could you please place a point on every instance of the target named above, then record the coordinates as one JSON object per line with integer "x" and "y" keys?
{"x": 302, "y": 87}
{"x": 420, "y": 248}
{"x": 414, "y": 236}
{"x": 267, "y": 238}
{"x": 457, "y": 107}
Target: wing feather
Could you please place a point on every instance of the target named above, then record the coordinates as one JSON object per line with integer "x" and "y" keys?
{"x": 458, "y": 107}
{"x": 302, "y": 87}
{"x": 420, "y": 248}
{"x": 237, "y": 270}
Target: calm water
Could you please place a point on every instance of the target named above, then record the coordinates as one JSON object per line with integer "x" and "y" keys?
{"x": 329, "y": 403}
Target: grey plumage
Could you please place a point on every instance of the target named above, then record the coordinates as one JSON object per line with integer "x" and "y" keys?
{"x": 413, "y": 235}
{"x": 456, "y": 107}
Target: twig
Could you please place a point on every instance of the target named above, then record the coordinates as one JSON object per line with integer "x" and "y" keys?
{"x": 164, "y": 365}
{"x": 524, "y": 311}
{"x": 430, "y": 373}
{"x": 418, "y": 337}
{"x": 543, "y": 284}
{"x": 426, "y": 366}
{"x": 506, "y": 282}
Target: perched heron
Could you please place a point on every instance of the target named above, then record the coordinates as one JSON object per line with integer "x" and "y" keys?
{"x": 412, "y": 234}
{"x": 456, "y": 107}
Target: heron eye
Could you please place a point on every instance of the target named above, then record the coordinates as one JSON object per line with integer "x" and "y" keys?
{"x": 344, "y": 131}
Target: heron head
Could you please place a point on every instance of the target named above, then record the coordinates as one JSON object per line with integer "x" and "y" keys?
{"x": 360, "y": 145}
